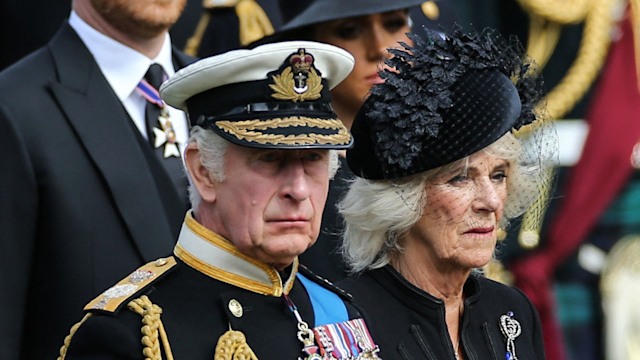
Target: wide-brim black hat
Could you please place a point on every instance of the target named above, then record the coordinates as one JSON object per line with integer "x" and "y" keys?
{"x": 274, "y": 96}
{"x": 297, "y": 14}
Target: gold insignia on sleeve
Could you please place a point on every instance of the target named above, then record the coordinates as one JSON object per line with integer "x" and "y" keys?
{"x": 299, "y": 81}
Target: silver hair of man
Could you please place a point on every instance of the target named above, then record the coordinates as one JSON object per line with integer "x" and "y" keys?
{"x": 212, "y": 148}
{"x": 378, "y": 213}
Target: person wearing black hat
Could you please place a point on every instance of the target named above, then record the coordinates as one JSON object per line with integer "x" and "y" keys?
{"x": 262, "y": 149}
{"x": 446, "y": 150}
{"x": 364, "y": 28}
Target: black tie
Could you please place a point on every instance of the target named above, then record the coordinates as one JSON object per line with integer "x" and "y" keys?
{"x": 160, "y": 130}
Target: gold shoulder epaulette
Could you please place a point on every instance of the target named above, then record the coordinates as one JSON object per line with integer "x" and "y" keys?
{"x": 112, "y": 299}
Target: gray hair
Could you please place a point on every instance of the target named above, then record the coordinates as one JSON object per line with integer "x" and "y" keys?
{"x": 378, "y": 213}
{"x": 212, "y": 148}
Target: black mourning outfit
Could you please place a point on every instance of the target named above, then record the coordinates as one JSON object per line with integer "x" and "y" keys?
{"x": 408, "y": 323}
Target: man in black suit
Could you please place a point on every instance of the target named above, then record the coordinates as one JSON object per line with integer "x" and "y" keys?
{"x": 85, "y": 196}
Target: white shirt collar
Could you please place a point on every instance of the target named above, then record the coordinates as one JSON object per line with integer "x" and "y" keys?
{"x": 110, "y": 56}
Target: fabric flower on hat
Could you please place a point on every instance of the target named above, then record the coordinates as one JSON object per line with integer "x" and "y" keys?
{"x": 406, "y": 111}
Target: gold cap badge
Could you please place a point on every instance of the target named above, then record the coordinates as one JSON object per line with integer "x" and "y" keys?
{"x": 299, "y": 81}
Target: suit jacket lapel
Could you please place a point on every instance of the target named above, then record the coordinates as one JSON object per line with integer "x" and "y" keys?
{"x": 181, "y": 59}
{"x": 101, "y": 123}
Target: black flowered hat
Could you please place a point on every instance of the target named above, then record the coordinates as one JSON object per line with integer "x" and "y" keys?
{"x": 274, "y": 96}
{"x": 444, "y": 98}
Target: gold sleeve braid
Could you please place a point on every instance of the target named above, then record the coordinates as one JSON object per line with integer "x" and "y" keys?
{"x": 254, "y": 23}
{"x": 152, "y": 329}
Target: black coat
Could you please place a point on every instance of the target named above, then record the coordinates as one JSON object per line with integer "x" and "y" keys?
{"x": 81, "y": 200}
{"x": 408, "y": 323}
{"x": 195, "y": 313}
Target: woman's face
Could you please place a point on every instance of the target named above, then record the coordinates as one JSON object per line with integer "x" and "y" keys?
{"x": 366, "y": 38}
{"x": 463, "y": 209}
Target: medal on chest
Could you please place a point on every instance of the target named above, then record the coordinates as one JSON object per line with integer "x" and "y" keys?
{"x": 165, "y": 135}
{"x": 347, "y": 340}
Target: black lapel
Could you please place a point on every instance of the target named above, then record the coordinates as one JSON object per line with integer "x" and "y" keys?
{"x": 181, "y": 59}
{"x": 102, "y": 126}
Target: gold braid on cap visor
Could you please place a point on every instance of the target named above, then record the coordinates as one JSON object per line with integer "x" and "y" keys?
{"x": 251, "y": 130}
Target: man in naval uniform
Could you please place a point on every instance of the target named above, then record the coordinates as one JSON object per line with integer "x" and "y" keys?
{"x": 262, "y": 149}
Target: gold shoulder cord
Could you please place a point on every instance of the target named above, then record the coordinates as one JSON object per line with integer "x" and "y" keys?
{"x": 548, "y": 16}
{"x": 193, "y": 43}
{"x": 598, "y": 17}
{"x": 254, "y": 23}
{"x": 233, "y": 345}
{"x": 67, "y": 339}
{"x": 152, "y": 328}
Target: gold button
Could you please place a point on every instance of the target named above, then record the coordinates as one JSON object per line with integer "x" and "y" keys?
{"x": 161, "y": 262}
{"x": 430, "y": 10}
{"x": 235, "y": 308}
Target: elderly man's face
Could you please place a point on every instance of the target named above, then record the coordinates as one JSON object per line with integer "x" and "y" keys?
{"x": 270, "y": 203}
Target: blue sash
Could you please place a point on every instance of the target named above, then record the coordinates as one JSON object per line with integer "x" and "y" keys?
{"x": 328, "y": 308}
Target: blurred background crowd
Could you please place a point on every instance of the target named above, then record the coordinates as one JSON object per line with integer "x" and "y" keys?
{"x": 581, "y": 264}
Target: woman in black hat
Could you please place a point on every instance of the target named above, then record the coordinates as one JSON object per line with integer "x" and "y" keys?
{"x": 449, "y": 148}
{"x": 365, "y": 28}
